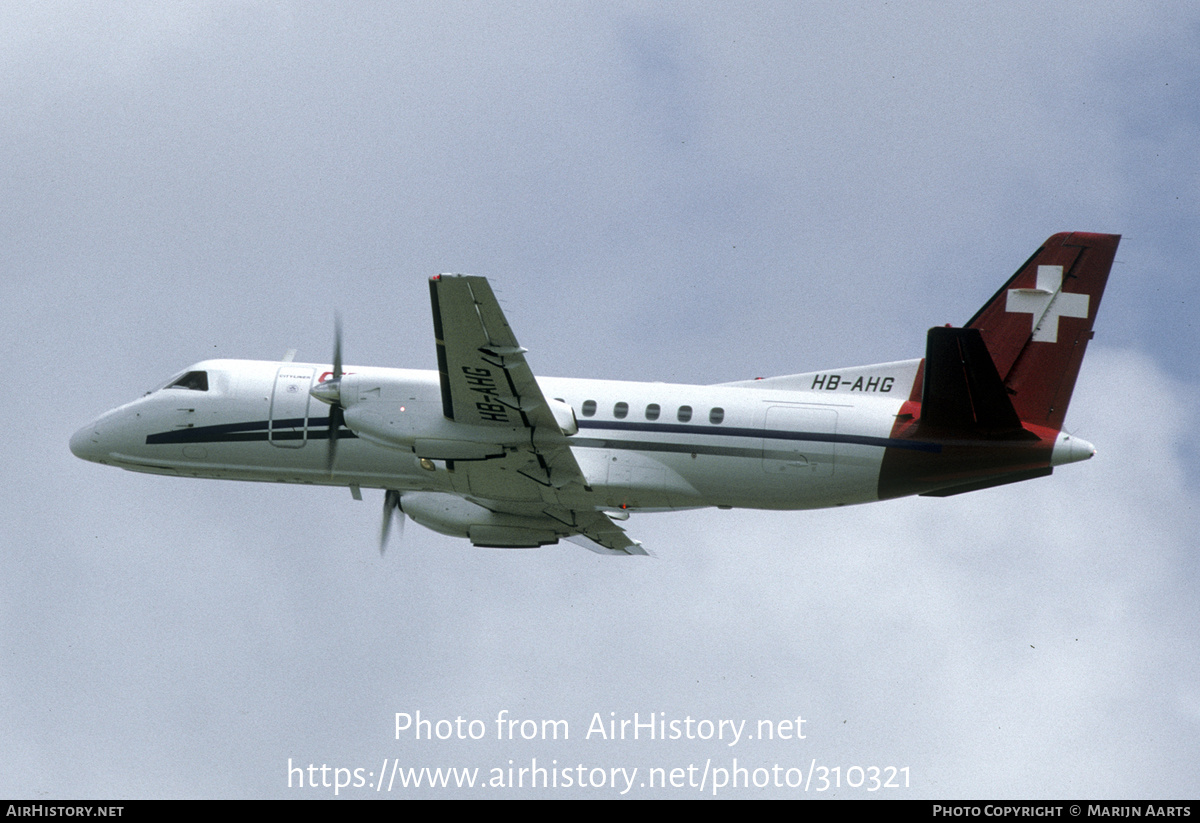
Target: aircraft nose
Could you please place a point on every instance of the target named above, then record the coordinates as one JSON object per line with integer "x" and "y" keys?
{"x": 88, "y": 443}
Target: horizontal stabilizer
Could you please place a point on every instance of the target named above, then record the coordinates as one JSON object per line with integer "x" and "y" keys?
{"x": 990, "y": 482}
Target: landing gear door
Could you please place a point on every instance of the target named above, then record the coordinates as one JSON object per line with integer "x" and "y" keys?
{"x": 288, "y": 425}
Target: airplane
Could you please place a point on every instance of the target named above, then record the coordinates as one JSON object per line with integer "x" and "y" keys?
{"x": 483, "y": 449}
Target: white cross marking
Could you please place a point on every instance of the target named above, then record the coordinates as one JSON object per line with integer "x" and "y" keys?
{"x": 1047, "y": 303}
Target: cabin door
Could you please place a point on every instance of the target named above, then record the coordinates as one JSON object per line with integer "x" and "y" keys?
{"x": 288, "y": 424}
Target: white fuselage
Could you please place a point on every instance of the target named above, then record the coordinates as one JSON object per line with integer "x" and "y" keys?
{"x": 805, "y": 441}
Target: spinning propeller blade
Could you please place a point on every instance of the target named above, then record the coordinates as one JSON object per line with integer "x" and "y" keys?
{"x": 391, "y": 509}
{"x": 329, "y": 392}
{"x": 336, "y": 418}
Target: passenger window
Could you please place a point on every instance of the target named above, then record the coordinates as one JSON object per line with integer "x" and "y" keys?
{"x": 193, "y": 380}
{"x": 589, "y": 408}
{"x": 652, "y": 411}
{"x": 621, "y": 410}
{"x": 685, "y": 414}
{"x": 716, "y": 415}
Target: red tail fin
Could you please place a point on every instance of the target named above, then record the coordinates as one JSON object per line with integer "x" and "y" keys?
{"x": 1038, "y": 325}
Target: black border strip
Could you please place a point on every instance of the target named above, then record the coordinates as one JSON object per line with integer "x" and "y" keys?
{"x": 318, "y": 429}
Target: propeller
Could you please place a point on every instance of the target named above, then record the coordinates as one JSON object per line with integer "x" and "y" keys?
{"x": 330, "y": 392}
{"x": 391, "y": 510}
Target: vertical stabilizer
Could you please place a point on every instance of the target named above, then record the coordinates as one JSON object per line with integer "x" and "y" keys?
{"x": 1038, "y": 325}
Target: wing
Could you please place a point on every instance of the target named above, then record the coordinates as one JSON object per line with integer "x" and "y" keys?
{"x": 485, "y": 379}
{"x": 486, "y": 382}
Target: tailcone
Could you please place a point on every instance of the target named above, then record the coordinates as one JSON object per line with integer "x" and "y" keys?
{"x": 1070, "y": 449}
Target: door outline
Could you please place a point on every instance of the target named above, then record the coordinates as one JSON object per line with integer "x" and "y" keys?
{"x": 287, "y": 423}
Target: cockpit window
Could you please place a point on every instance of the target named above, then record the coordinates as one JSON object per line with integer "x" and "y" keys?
{"x": 194, "y": 380}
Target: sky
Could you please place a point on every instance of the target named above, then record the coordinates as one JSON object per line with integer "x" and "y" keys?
{"x": 685, "y": 192}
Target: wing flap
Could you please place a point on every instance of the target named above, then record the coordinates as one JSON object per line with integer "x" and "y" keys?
{"x": 598, "y": 529}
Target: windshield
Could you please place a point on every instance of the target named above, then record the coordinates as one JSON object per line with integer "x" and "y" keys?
{"x": 193, "y": 380}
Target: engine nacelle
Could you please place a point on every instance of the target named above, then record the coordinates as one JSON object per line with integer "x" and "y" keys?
{"x": 452, "y": 515}
{"x": 377, "y": 415}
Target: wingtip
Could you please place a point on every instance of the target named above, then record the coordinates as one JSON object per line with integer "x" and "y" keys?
{"x": 638, "y": 550}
